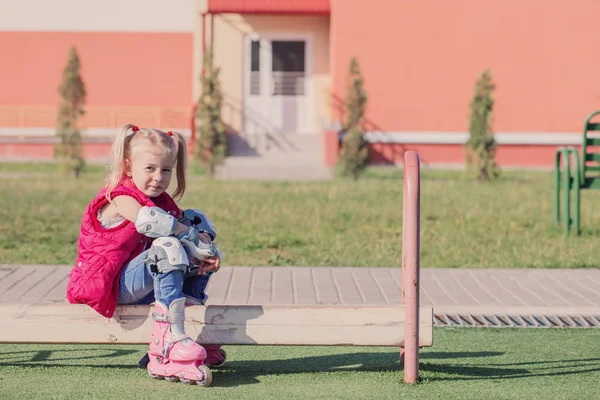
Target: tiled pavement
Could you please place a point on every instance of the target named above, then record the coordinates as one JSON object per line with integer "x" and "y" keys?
{"x": 451, "y": 292}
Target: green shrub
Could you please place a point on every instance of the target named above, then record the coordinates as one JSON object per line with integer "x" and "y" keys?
{"x": 67, "y": 150}
{"x": 211, "y": 138}
{"x": 354, "y": 155}
{"x": 481, "y": 146}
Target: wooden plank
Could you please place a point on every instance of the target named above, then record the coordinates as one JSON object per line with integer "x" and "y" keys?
{"x": 216, "y": 324}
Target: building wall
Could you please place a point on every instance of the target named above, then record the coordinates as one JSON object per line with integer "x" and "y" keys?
{"x": 421, "y": 58}
{"x": 141, "y": 60}
{"x": 136, "y": 57}
{"x": 229, "y": 32}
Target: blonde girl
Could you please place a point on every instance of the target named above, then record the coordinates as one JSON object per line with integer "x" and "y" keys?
{"x": 136, "y": 246}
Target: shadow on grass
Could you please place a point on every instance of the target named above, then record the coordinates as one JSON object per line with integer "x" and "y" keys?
{"x": 500, "y": 371}
{"x": 240, "y": 373}
{"x": 55, "y": 358}
{"x": 243, "y": 373}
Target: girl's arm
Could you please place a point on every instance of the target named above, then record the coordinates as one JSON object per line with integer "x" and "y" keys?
{"x": 128, "y": 208}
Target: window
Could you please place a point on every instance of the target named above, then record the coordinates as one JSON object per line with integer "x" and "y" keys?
{"x": 289, "y": 67}
{"x": 255, "y": 68}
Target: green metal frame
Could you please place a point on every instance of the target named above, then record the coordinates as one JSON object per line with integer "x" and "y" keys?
{"x": 569, "y": 181}
{"x": 585, "y": 142}
{"x": 575, "y": 178}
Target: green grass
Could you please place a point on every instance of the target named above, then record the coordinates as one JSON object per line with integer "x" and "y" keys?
{"x": 463, "y": 363}
{"x": 506, "y": 224}
{"x": 43, "y": 168}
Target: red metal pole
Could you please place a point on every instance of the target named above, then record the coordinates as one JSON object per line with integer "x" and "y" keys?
{"x": 202, "y": 73}
{"x": 203, "y": 41}
{"x": 212, "y": 39}
{"x": 410, "y": 264}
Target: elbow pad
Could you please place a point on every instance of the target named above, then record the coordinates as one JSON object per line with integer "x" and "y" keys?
{"x": 154, "y": 222}
{"x": 200, "y": 222}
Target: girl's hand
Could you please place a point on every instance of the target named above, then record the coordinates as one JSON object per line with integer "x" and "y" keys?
{"x": 209, "y": 264}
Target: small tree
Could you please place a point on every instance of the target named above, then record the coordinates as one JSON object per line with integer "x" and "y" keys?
{"x": 68, "y": 150}
{"x": 354, "y": 155}
{"x": 211, "y": 140}
{"x": 481, "y": 146}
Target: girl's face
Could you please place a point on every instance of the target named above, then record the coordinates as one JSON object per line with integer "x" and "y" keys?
{"x": 150, "y": 169}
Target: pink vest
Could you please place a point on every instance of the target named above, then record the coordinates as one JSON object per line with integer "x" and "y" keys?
{"x": 102, "y": 253}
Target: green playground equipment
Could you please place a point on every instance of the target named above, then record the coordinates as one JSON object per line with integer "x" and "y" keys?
{"x": 576, "y": 174}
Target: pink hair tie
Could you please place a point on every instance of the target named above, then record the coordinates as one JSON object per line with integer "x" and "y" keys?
{"x": 135, "y": 128}
{"x": 169, "y": 133}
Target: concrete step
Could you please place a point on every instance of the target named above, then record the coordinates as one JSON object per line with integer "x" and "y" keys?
{"x": 275, "y": 156}
{"x": 276, "y": 159}
{"x": 267, "y": 144}
{"x": 270, "y": 168}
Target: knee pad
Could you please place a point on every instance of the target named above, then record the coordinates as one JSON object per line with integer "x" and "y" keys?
{"x": 167, "y": 254}
{"x": 154, "y": 222}
{"x": 199, "y": 220}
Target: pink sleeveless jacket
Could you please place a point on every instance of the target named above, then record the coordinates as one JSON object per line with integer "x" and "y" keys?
{"x": 102, "y": 253}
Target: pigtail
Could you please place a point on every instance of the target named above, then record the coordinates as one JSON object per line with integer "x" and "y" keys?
{"x": 181, "y": 166}
{"x": 118, "y": 154}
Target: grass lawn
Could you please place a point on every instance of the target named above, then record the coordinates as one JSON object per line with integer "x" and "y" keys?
{"x": 506, "y": 224}
{"x": 463, "y": 363}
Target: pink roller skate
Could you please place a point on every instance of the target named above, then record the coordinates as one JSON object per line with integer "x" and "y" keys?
{"x": 174, "y": 355}
{"x": 215, "y": 355}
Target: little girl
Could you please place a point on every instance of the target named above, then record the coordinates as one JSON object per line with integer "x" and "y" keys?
{"x": 136, "y": 246}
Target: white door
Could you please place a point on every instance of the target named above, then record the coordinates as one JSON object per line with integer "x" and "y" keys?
{"x": 277, "y": 92}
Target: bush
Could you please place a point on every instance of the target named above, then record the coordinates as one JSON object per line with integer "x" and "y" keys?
{"x": 68, "y": 151}
{"x": 481, "y": 146}
{"x": 354, "y": 155}
{"x": 211, "y": 139}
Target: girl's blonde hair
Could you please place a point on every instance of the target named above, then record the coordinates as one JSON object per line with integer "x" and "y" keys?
{"x": 130, "y": 136}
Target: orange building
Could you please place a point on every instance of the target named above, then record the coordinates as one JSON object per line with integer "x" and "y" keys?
{"x": 283, "y": 68}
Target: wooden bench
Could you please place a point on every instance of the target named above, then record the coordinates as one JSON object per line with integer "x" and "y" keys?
{"x": 216, "y": 324}
{"x": 407, "y": 327}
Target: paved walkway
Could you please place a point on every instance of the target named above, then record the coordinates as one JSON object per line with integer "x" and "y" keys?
{"x": 506, "y": 297}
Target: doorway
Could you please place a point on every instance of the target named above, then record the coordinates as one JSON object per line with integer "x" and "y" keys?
{"x": 277, "y": 84}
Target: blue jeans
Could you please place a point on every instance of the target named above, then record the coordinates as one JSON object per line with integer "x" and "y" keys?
{"x": 139, "y": 285}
